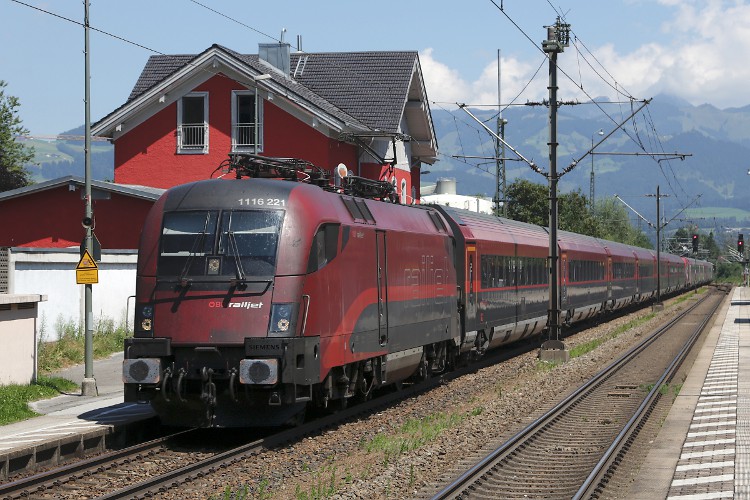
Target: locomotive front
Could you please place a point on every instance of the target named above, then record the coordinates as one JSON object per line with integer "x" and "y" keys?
{"x": 218, "y": 317}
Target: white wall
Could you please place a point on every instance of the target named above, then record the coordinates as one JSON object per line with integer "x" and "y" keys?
{"x": 460, "y": 201}
{"x": 51, "y": 272}
{"x": 18, "y": 318}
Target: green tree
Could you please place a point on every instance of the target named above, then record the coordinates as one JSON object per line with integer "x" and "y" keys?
{"x": 14, "y": 155}
{"x": 576, "y": 217}
{"x": 729, "y": 272}
{"x": 616, "y": 226}
{"x": 527, "y": 202}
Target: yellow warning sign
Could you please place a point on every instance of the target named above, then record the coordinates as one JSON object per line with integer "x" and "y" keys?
{"x": 86, "y": 262}
{"x": 87, "y": 272}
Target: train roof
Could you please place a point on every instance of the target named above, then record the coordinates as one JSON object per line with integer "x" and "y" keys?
{"x": 319, "y": 205}
{"x": 486, "y": 226}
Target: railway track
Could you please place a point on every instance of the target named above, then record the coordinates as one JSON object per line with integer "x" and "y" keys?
{"x": 97, "y": 475}
{"x": 148, "y": 469}
{"x": 154, "y": 467}
{"x": 574, "y": 449}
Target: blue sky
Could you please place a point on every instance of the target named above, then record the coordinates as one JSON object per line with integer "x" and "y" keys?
{"x": 695, "y": 49}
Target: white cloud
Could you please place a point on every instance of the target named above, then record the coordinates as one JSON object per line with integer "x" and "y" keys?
{"x": 444, "y": 85}
{"x": 704, "y": 61}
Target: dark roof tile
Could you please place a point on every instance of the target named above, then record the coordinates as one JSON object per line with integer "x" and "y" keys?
{"x": 366, "y": 88}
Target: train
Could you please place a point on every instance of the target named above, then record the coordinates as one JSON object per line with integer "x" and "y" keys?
{"x": 285, "y": 289}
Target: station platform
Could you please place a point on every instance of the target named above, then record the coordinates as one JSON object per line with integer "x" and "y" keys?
{"x": 703, "y": 448}
{"x": 72, "y": 425}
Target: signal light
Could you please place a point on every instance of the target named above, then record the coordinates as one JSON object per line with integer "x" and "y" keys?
{"x": 695, "y": 243}
{"x": 740, "y": 244}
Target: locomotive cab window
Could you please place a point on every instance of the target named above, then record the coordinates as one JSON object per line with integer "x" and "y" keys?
{"x": 248, "y": 241}
{"x": 186, "y": 238}
{"x": 210, "y": 243}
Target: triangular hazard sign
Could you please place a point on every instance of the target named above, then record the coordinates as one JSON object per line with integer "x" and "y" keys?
{"x": 87, "y": 262}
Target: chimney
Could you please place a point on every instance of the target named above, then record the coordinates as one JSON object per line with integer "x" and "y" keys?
{"x": 275, "y": 54}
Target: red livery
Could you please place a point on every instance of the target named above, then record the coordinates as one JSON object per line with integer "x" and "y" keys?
{"x": 259, "y": 297}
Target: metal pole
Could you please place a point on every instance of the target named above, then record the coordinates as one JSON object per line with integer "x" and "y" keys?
{"x": 591, "y": 181}
{"x": 553, "y": 349}
{"x": 658, "y": 247}
{"x": 88, "y": 386}
{"x": 497, "y": 141}
{"x": 554, "y": 292}
{"x": 502, "y": 159}
{"x": 592, "y": 193}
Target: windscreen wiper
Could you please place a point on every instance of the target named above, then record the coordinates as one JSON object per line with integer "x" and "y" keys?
{"x": 198, "y": 243}
{"x": 239, "y": 281}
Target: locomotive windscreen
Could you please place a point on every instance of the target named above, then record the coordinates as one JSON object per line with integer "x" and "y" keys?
{"x": 232, "y": 243}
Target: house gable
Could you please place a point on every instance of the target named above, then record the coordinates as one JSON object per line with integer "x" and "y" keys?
{"x": 351, "y": 108}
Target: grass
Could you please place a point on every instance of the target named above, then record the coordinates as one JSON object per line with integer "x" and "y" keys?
{"x": 717, "y": 212}
{"x": 587, "y": 347}
{"x": 51, "y": 356}
{"x": 15, "y": 399}
{"x": 414, "y": 434}
{"x": 664, "y": 389}
{"x": 68, "y": 350}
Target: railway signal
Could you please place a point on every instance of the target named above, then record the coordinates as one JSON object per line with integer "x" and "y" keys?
{"x": 741, "y": 245}
{"x": 695, "y": 243}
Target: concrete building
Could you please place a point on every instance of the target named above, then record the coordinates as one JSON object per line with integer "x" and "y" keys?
{"x": 444, "y": 193}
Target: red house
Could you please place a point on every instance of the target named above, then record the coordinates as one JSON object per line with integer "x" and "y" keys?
{"x": 48, "y": 214}
{"x": 186, "y": 113}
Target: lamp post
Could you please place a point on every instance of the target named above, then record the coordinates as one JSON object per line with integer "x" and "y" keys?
{"x": 591, "y": 183}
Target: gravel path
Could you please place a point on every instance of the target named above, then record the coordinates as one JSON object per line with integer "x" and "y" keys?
{"x": 403, "y": 451}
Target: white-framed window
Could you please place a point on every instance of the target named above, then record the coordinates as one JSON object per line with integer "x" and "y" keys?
{"x": 247, "y": 121}
{"x": 192, "y": 123}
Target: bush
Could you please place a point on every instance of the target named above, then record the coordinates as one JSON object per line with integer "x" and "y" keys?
{"x": 69, "y": 349}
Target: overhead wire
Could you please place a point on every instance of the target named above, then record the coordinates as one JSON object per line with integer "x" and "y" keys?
{"x": 512, "y": 103}
{"x": 136, "y": 44}
{"x": 360, "y": 76}
{"x": 616, "y": 86}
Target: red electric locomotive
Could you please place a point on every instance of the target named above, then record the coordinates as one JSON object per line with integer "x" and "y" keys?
{"x": 256, "y": 297}
{"x": 261, "y": 296}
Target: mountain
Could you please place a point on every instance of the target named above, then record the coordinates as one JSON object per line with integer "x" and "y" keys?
{"x": 711, "y": 179}
{"x": 65, "y": 156}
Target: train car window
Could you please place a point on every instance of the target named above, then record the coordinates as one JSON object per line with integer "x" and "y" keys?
{"x": 646, "y": 270}
{"x": 248, "y": 242}
{"x": 324, "y": 247}
{"x": 585, "y": 270}
{"x": 499, "y": 271}
{"x": 186, "y": 238}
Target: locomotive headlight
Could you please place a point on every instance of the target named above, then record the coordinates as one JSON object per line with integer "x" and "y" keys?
{"x": 144, "y": 319}
{"x": 283, "y": 320}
